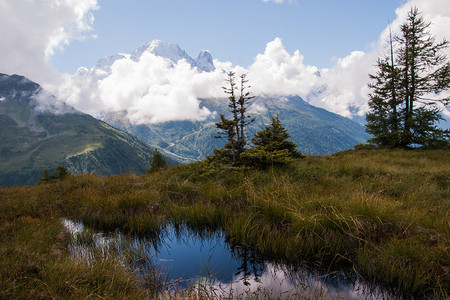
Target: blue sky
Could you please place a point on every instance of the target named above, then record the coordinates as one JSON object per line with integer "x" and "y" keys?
{"x": 321, "y": 50}
{"x": 232, "y": 30}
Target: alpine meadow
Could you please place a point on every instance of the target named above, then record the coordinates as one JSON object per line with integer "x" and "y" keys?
{"x": 156, "y": 175}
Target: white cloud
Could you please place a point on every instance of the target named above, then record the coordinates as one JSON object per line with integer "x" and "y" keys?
{"x": 277, "y": 72}
{"x": 151, "y": 90}
{"x": 46, "y": 102}
{"x": 278, "y": 282}
{"x": 32, "y": 30}
{"x": 345, "y": 85}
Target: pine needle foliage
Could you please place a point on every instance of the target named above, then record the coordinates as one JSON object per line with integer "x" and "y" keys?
{"x": 158, "y": 162}
{"x": 272, "y": 146}
{"x": 406, "y": 99}
{"x": 61, "y": 173}
{"x": 234, "y": 129}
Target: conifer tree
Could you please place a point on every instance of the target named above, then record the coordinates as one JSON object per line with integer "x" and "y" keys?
{"x": 272, "y": 146}
{"x": 383, "y": 118}
{"x": 244, "y": 119}
{"x": 46, "y": 177}
{"x": 405, "y": 90}
{"x": 158, "y": 161}
{"x": 61, "y": 172}
{"x": 275, "y": 137}
{"x": 425, "y": 70}
{"x": 234, "y": 129}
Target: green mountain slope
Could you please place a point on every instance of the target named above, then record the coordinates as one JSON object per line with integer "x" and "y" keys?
{"x": 35, "y": 135}
{"x": 315, "y": 130}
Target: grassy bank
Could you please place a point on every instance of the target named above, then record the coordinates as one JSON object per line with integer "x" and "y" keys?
{"x": 386, "y": 212}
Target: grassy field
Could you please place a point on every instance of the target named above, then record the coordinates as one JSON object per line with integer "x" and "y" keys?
{"x": 383, "y": 212}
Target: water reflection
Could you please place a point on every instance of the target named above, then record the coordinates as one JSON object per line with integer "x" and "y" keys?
{"x": 189, "y": 257}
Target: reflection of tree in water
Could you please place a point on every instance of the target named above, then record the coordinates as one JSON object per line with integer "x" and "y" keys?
{"x": 138, "y": 250}
{"x": 252, "y": 265}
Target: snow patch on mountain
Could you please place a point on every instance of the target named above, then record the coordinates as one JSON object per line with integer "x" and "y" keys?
{"x": 171, "y": 52}
{"x": 205, "y": 62}
{"x": 106, "y": 62}
{"x": 174, "y": 53}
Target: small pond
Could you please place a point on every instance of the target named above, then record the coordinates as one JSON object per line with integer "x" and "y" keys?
{"x": 191, "y": 256}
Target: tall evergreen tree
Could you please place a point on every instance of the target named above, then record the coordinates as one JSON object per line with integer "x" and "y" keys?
{"x": 244, "y": 119}
{"x": 234, "y": 129}
{"x": 405, "y": 90}
{"x": 231, "y": 126}
{"x": 425, "y": 72}
{"x": 383, "y": 118}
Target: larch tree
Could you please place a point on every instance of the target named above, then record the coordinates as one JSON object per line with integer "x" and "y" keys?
{"x": 406, "y": 89}
{"x": 383, "y": 118}
{"x": 234, "y": 129}
{"x": 425, "y": 73}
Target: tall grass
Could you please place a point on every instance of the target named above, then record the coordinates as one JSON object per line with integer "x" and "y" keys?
{"x": 385, "y": 213}
{"x": 35, "y": 265}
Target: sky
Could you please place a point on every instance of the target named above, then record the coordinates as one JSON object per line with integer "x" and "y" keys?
{"x": 321, "y": 50}
{"x": 233, "y": 30}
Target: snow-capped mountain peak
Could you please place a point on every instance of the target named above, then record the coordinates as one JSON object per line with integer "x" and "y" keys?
{"x": 162, "y": 49}
{"x": 106, "y": 62}
{"x": 204, "y": 61}
{"x": 174, "y": 53}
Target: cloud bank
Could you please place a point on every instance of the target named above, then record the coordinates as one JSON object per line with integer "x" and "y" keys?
{"x": 151, "y": 90}
{"x": 32, "y": 31}
{"x": 155, "y": 89}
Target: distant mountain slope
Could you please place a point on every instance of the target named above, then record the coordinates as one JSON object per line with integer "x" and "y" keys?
{"x": 37, "y": 132}
{"x": 315, "y": 130}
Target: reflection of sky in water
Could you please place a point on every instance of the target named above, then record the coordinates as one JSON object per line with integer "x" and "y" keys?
{"x": 278, "y": 283}
{"x": 189, "y": 255}
{"x": 193, "y": 256}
